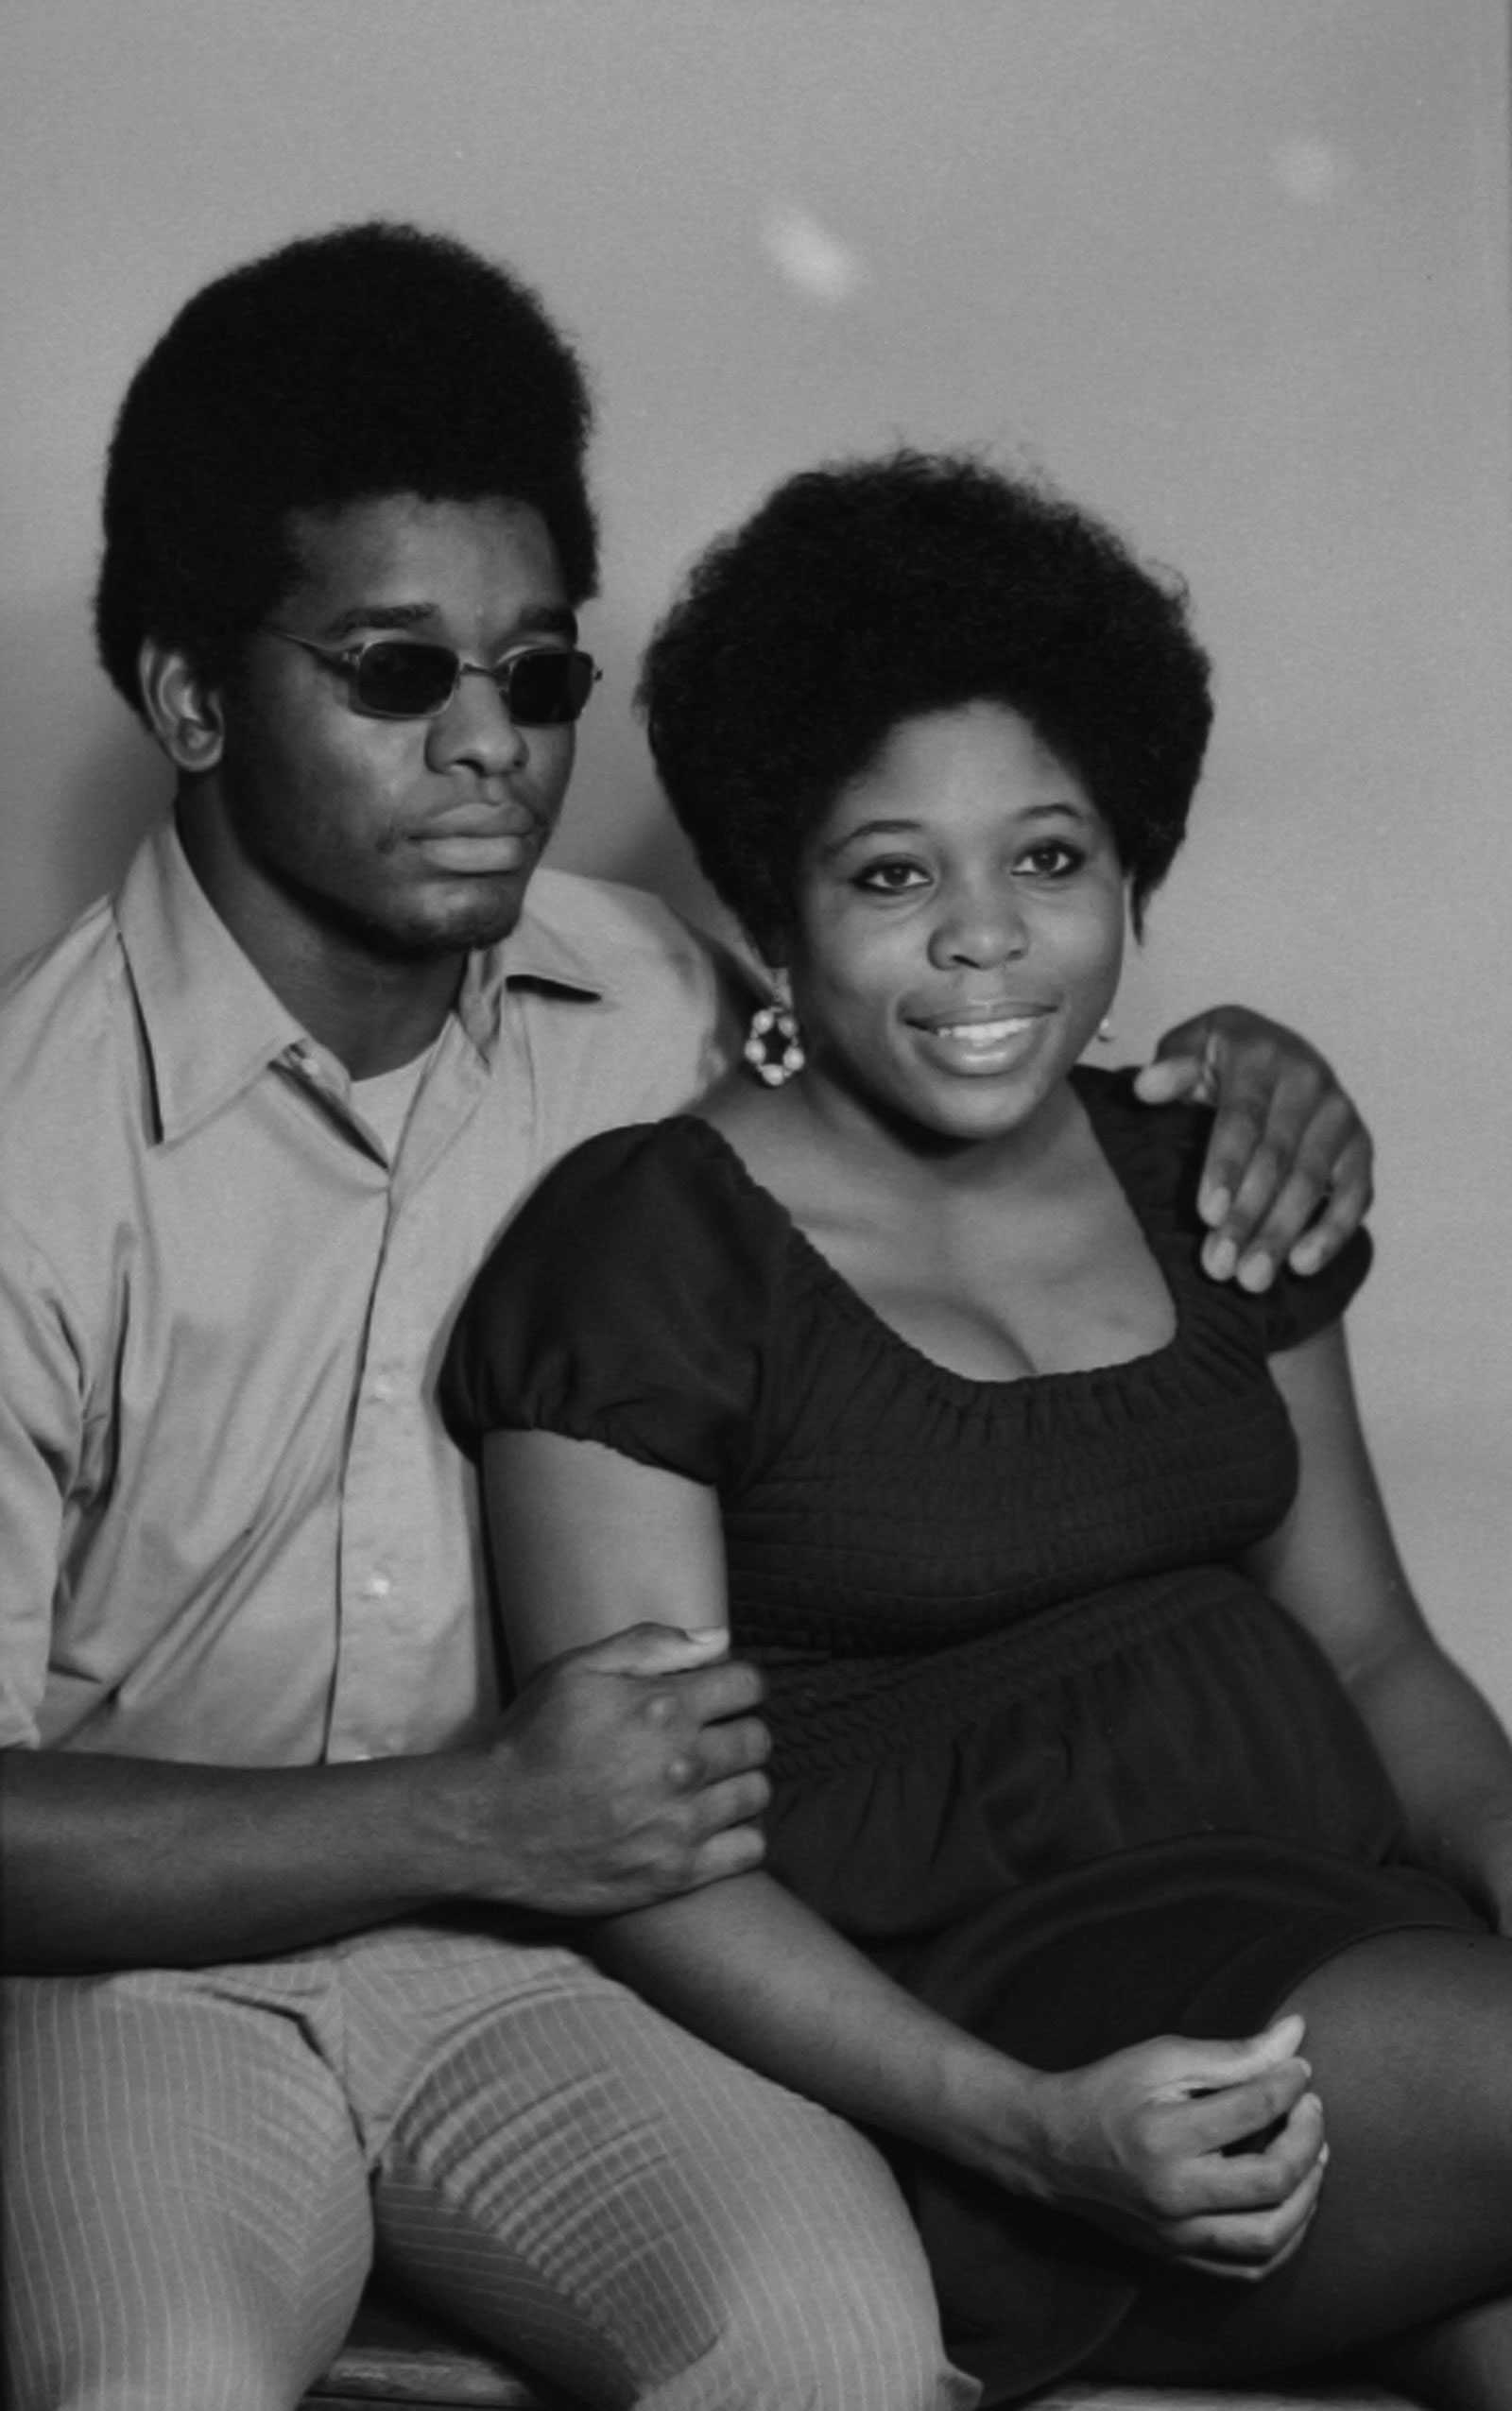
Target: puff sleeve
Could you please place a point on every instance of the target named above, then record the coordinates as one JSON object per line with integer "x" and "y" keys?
{"x": 628, "y": 1303}
{"x": 1294, "y": 1307}
{"x": 1161, "y": 1149}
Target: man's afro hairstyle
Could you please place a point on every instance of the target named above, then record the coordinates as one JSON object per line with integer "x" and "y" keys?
{"x": 374, "y": 359}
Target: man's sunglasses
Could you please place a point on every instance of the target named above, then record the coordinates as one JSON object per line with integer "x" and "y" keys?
{"x": 406, "y": 678}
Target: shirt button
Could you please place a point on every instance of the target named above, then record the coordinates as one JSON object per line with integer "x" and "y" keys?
{"x": 384, "y": 1389}
{"x": 377, "y": 1587}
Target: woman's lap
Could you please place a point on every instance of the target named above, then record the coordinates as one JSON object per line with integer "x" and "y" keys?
{"x": 1409, "y": 2038}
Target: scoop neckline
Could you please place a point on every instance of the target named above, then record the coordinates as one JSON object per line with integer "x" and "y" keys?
{"x": 860, "y": 1310}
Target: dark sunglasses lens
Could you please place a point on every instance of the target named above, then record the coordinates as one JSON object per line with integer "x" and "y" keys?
{"x": 547, "y": 687}
{"x": 401, "y": 679}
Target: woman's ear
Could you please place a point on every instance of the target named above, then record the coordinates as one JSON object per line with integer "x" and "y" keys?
{"x": 182, "y": 708}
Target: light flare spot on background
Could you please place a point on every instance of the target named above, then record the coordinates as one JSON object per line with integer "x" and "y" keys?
{"x": 817, "y": 264}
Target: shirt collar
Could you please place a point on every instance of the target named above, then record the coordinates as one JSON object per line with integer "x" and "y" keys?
{"x": 211, "y": 1021}
{"x": 214, "y": 1025}
{"x": 536, "y": 954}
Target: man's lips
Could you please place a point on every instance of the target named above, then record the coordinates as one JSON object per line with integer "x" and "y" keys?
{"x": 481, "y": 844}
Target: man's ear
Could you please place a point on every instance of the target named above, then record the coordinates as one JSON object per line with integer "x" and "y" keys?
{"x": 183, "y": 710}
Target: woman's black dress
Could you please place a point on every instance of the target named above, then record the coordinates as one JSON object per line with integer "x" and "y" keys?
{"x": 1042, "y": 1749}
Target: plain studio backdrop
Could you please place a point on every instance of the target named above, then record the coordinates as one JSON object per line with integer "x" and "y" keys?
{"x": 1235, "y": 272}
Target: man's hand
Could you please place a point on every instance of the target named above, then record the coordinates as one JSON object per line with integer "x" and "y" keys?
{"x": 1287, "y": 1176}
{"x": 624, "y": 1773}
{"x": 1207, "y": 2154}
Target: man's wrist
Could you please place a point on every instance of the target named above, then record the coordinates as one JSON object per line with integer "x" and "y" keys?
{"x": 453, "y": 1814}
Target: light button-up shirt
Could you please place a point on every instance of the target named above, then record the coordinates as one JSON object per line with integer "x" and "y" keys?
{"x": 232, "y": 1527}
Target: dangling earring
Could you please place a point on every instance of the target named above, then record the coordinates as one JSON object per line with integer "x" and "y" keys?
{"x": 774, "y": 1050}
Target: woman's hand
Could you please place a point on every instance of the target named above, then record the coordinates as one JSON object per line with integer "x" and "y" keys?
{"x": 1287, "y": 1178}
{"x": 1210, "y": 2154}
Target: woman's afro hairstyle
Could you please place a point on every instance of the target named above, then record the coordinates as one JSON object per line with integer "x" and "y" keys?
{"x": 866, "y": 593}
{"x": 375, "y": 359}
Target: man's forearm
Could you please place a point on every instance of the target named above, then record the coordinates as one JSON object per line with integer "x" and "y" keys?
{"x": 620, "y": 1774}
{"x": 115, "y": 1862}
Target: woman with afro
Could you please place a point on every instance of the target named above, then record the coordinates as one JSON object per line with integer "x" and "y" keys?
{"x": 1139, "y": 1869}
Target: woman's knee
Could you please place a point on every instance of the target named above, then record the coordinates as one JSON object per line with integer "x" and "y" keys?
{"x": 1409, "y": 2032}
{"x": 1408, "y": 2039}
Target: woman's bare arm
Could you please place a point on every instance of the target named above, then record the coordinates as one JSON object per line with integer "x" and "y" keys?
{"x": 1334, "y": 1563}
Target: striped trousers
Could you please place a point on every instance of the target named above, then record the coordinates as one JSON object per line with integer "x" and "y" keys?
{"x": 201, "y": 2165}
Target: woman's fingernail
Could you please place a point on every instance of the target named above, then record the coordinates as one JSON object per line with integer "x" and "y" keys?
{"x": 1219, "y": 1258}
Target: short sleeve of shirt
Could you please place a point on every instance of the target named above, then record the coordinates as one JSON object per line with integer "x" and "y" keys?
{"x": 625, "y": 1303}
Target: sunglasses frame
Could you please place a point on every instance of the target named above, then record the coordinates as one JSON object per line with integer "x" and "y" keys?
{"x": 347, "y": 660}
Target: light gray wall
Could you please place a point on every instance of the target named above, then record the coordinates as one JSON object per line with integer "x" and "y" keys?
{"x": 1233, "y": 271}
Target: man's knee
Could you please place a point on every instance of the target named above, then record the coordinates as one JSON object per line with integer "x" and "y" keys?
{"x": 203, "y": 2358}
{"x": 711, "y": 2241}
{"x": 853, "y": 2328}
{"x": 185, "y": 2217}
{"x": 226, "y": 2328}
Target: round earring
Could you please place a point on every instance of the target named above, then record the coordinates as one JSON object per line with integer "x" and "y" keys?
{"x": 1104, "y": 1032}
{"x": 774, "y": 1048}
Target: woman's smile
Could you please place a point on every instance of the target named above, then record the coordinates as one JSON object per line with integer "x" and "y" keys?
{"x": 980, "y": 1041}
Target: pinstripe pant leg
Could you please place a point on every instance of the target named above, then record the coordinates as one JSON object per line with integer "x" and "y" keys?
{"x": 580, "y": 2181}
{"x": 187, "y": 2203}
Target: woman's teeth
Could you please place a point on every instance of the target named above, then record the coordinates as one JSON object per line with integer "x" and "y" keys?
{"x": 984, "y": 1034}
